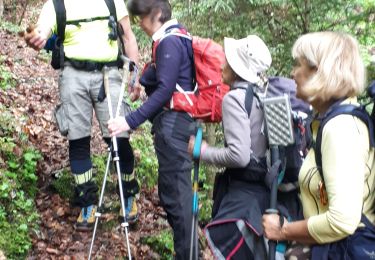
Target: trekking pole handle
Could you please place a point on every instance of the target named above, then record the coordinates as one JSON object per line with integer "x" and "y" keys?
{"x": 134, "y": 75}
{"x": 198, "y": 144}
{"x": 132, "y": 64}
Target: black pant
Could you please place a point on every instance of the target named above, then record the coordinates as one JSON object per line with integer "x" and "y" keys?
{"x": 172, "y": 131}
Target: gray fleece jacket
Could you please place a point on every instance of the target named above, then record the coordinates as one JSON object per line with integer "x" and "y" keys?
{"x": 243, "y": 135}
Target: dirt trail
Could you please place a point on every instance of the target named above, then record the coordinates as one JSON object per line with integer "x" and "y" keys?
{"x": 36, "y": 95}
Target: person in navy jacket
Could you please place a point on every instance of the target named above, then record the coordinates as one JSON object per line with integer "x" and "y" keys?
{"x": 172, "y": 65}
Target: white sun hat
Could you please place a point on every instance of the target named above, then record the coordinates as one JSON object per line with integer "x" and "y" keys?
{"x": 248, "y": 57}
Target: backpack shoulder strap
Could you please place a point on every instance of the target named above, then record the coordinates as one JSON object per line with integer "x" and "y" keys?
{"x": 172, "y": 30}
{"x": 249, "y": 98}
{"x": 186, "y": 39}
{"x": 112, "y": 8}
{"x": 60, "y": 18}
{"x": 120, "y": 31}
{"x": 349, "y": 109}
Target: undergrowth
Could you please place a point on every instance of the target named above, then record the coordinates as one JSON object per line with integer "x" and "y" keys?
{"x": 18, "y": 187}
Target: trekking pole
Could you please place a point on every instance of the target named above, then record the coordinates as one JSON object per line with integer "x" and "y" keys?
{"x": 277, "y": 112}
{"x": 116, "y": 157}
{"x": 195, "y": 206}
{"x": 114, "y": 150}
{"x": 99, "y": 209}
{"x": 273, "y": 199}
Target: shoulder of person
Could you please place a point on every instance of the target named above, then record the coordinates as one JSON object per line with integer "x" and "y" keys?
{"x": 121, "y": 10}
{"x": 170, "y": 45}
{"x": 170, "y": 40}
{"x": 234, "y": 96}
{"x": 236, "y": 93}
{"x": 345, "y": 125}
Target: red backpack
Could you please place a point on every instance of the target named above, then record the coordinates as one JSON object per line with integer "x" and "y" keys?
{"x": 204, "y": 102}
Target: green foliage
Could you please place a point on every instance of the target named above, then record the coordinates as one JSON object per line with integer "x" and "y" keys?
{"x": 133, "y": 105}
{"x": 99, "y": 166}
{"x": 205, "y": 201}
{"x": 64, "y": 184}
{"x": 7, "y": 79}
{"x": 278, "y": 22}
{"x": 371, "y": 73}
{"x": 143, "y": 39}
{"x": 161, "y": 243}
{"x": 147, "y": 166}
{"x": 18, "y": 186}
{"x": 10, "y": 27}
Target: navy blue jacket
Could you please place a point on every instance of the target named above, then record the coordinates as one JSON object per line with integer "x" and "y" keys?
{"x": 173, "y": 65}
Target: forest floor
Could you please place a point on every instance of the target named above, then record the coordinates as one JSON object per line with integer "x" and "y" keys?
{"x": 36, "y": 95}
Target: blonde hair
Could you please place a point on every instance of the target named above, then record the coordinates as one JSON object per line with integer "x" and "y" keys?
{"x": 336, "y": 56}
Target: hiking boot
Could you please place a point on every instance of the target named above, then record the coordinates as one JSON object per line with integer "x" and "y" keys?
{"x": 86, "y": 219}
{"x": 131, "y": 210}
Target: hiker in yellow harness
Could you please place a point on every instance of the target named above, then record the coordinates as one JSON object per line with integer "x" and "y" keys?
{"x": 90, "y": 43}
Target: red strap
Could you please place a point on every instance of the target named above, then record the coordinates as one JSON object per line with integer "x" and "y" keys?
{"x": 235, "y": 249}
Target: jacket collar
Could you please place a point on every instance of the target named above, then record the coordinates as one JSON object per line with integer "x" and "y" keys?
{"x": 160, "y": 32}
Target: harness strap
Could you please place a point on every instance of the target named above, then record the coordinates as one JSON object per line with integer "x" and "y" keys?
{"x": 87, "y": 20}
{"x": 248, "y": 237}
{"x": 60, "y": 18}
{"x": 216, "y": 251}
{"x": 112, "y": 8}
{"x": 335, "y": 110}
{"x": 90, "y": 65}
{"x": 60, "y": 11}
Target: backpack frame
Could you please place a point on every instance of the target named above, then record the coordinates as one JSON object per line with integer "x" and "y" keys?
{"x": 292, "y": 155}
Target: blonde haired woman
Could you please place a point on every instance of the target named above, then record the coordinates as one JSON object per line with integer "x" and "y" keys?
{"x": 329, "y": 72}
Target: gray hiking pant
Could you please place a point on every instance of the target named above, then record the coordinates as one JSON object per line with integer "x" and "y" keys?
{"x": 79, "y": 91}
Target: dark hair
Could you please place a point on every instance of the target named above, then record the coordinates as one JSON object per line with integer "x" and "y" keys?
{"x": 146, "y": 7}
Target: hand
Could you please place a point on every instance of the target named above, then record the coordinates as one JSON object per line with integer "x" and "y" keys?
{"x": 135, "y": 92}
{"x": 191, "y": 145}
{"x": 117, "y": 126}
{"x": 271, "y": 227}
{"x": 34, "y": 38}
